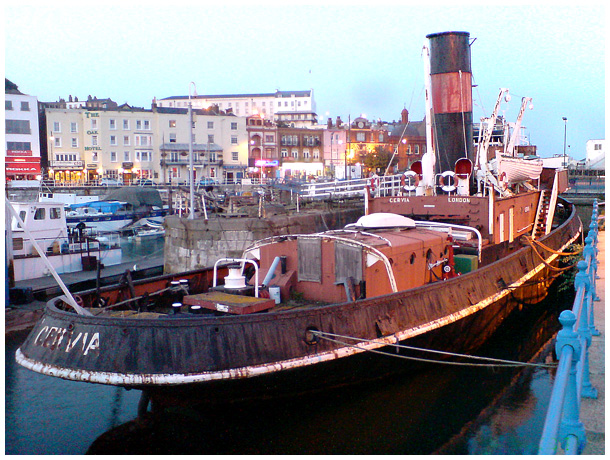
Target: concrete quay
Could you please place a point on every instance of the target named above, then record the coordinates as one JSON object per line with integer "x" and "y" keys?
{"x": 592, "y": 411}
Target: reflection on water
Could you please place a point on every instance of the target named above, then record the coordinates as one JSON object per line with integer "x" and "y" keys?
{"x": 46, "y": 415}
{"x": 422, "y": 413}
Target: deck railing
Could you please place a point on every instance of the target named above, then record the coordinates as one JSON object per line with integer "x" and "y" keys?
{"x": 562, "y": 424}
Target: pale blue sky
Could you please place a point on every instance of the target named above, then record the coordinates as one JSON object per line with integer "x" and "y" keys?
{"x": 359, "y": 59}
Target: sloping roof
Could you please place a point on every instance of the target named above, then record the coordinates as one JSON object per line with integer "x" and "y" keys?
{"x": 10, "y": 87}
{"x": 136, "y": 196}
{"x": 414, "y": 129}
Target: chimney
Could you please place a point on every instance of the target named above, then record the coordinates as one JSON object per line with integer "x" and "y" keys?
{"x": 329, "y": 123}
{"x": 404, "y": 116}
{"x": 339, "y": 123}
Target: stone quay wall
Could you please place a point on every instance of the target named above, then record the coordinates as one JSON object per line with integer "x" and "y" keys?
{"x": 197, "y": 243}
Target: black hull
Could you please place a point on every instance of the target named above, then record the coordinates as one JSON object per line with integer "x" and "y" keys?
{"x": 268, "y": 354}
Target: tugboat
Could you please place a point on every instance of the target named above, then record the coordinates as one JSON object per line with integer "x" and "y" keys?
{"x": 437, "y": 262}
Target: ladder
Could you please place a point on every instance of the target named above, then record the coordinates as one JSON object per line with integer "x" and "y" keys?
{"x": 540, "y": 227}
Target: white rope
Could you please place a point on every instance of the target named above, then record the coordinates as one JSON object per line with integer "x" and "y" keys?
{"x": 498, "y": 362}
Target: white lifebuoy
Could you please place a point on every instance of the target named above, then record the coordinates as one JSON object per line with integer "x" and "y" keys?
{"x": 411, "y": 181}
{"x": 447, "y": 181}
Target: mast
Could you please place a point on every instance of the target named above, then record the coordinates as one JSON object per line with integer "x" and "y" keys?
{"x": 429, "y": 158}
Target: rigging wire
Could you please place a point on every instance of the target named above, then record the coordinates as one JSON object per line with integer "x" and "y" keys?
{"x": 494, "y": 362}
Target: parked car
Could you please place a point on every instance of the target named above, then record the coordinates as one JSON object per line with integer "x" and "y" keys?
{"x": 107, "y": 181}
{"x": 144, "y": 182}
{"x": 208, "y": 181}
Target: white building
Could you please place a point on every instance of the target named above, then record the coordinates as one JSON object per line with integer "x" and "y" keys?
{"x": 295, "y": 108}
{"x": 129, "y": 143}
{"x": 596, "y": 154}
{"x": 22, "y": 144}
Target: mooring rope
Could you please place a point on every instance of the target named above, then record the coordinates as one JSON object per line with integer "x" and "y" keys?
{"x": 549, "y": 266}
{"x": 543, "y": 246}
{"x": 495, "y": 362}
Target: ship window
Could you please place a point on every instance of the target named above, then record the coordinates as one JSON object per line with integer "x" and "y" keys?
{"x": 348, "y": 262}
{"x": 40, "y": 214}
{"x": 55, "y": 213}
{"x": 310, "y": 259}
{"x": 17, "y": 244}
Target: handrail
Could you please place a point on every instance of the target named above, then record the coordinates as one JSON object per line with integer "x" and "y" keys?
{"x": 562, "y": 425}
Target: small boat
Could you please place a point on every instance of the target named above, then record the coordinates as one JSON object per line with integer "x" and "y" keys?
{"x": 43, "y": 224}
{"x": 436, "y": 263}
{"x": 121, "y": 208}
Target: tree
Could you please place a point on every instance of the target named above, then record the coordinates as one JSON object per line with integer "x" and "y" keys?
{"x": 379, "y": 159}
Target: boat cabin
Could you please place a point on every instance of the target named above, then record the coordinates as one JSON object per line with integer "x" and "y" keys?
{"x": 368, "y": 259}
{"x": 46, "y": 222}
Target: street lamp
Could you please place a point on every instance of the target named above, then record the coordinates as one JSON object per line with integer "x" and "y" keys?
{"x": 565, "y": 133}
{"x": 191, "y": 167}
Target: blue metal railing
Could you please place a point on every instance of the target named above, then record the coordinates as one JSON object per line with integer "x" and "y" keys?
{"x": 562, "y": 425}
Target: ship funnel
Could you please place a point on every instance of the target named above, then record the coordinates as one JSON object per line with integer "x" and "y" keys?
{"x": 451, "y": 88}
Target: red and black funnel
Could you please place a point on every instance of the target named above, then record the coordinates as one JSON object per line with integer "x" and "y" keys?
{"x": 451, "y": 78}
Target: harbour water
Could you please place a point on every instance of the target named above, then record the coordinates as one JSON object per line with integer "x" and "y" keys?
{"x": 441, "y": 409}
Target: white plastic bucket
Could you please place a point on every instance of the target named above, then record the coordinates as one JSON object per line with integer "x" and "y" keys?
{"x": 274, "y": 293}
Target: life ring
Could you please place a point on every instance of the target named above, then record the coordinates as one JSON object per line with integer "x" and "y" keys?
{"x": 447, "y": 181}
{"x": 410, "y": 181}
{"x": 374, "y": 182}
{"x": 503, "y": 181}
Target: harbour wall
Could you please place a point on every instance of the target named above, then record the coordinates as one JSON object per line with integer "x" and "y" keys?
{"x": 198, "y": 243}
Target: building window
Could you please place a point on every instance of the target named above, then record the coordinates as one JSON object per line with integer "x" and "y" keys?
{"x": 126, "y": 140}
{"x": 210, "y": 125}
{"x": 94, "y": 123}
{"x": 18, "y": 145}
{"x": 316, "y": 154}
{"x": 147, "y": 125}
{"x": 172, "y": 123}
{"x": 172, "y": 137}
{"x": 143, "y": 156}
{"x": 25, "y": 106}
{"x": 56, "y": 127}
{"x": 234, "y": 140}
{"x": 93, "y": 140}
{"x": 113, "y": 157}
{"x": 112, "y": 123}
{"x": 17, "y": 126}
{"x": 295, "y": 153}
{"x": 210, "y": 138}
{"x": 235, "y": 156}
{"x": 8, "y": 105}
{"x": 73, "y": 127}
{"x": 360, "y": 137}
{"x": 74, "y": 143}
{"x": 143, "y": 140}
{"x": 125, "y": 124}
{"x": 126, "y": 156}
{"x": 112, "y": 140}
{"x": 306, "y": 154}
{"x": 138, "y": 124}
{"x": 284, "y": 153}
{"x": 57, "y": 141}
{"x": 94, "y": 157}
{"x": 233, "y": 126}
{"x": 269, "y": 138}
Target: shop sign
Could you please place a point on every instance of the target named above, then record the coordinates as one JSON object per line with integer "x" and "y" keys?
{"x": 22, "y": 168}
{"x": 91, "y": 166}
{"x": 267, "y": 163}
{"x": 127, "y": 165}
{"x": 19, "y": 153}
